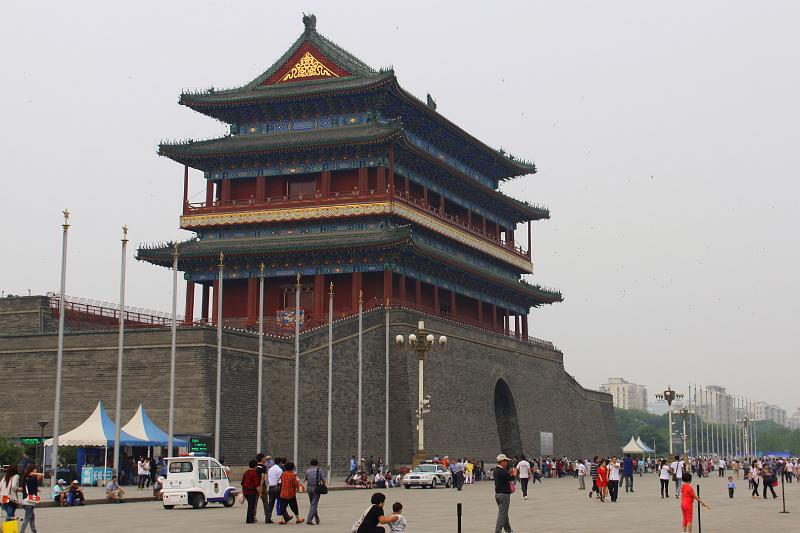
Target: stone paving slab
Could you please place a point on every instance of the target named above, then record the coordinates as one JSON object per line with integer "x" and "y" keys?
{"x": 556, "y": 505}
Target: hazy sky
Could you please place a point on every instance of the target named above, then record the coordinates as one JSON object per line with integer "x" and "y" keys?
{"x": 665, "y": 134}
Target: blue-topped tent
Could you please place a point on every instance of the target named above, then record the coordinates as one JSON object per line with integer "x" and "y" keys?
{"x": 149, "y": 434}
{"x": 97, "y": 430}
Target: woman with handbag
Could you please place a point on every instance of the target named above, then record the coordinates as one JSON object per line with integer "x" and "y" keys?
{"x": 8, "y": 492}
{"x": 30, "y": 496}
{"x": 315, "y": 487}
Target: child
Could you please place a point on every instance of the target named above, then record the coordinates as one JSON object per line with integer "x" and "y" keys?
{"x": 400, "y": 524}
{"x": 688, "y": 497}
{"x": 731, "y": 486}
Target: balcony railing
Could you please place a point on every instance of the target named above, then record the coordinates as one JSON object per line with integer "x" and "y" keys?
{"x": 339, "y": 198}
{"x": 87, "y": 311}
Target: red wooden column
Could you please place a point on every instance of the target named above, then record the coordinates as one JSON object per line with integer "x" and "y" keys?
{"x": 188, "y": 314}
{"x": 517, "y": 326}
{"x": 185, "y": 188}
{"x": 494, "y": 316}
{"x": 418, "y": 292}
{"x": 362, "y": 180}
{"x": 356, "y": 288}
{"x": 214, "y": 302}
{"x": 381, "y": 180}
{"x": 441, "y": 203}
{"x": 484, "y": 224}
{"x": 425, "y": 196}
{"x": 469, "y": 217}
{"x": 226, "y": 190}
{"x": 205, "y": 302}
{"x": 252, "y": 300}
{"x": 525, "y": 326}
{"x": 453, "y": 309}
{"x": 480, "y": 311}
{"x": 436, "y": 300}
{"x": 402, "y": 289}
{"x": 209, "y": 193}
{"x": 390, "y": 177}
{"x": 510, "y": 237}
{"x": 387, "y": 285}
{"x": 326, "y": 182}
{"x": 261, "y": 188}
{"x": 319, "y": 296}
{"x": 530, "y": 244}
{"x": 506, "y": 323}
{"x": 407, "y": 186}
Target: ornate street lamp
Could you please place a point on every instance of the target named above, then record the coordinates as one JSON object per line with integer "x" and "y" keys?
{"x": 421, "y": 342}
{"x": 685, "y": 413}
{"x": 744, "y": 423}
{"x": 669, "y": 396}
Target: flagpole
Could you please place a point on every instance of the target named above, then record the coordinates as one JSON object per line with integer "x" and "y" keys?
{"x": 118, "y": 409}
{"x": 386, "y": 407}
{"x": 260, "y": 355}
{"x": 172, "y": 352}
{"x": 360, "y": 368}
{"x": 330, "y": 378}
{"x": 60, "y": 352}
{"x": 296, "y": 368}
{"x": 217, "y": 406}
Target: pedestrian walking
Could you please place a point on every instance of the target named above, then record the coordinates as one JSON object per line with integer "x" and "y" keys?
{"x": 503, "y": 487}
{"x": 524, "y": 469}
{"x": 316, "y": 485}
{"x": 627, "y": 472}
{"x": 688, "y": 498}
{"x": 769, "y": 481}
{"x": 30, "y": 496}
{"x": 251, "y": 482}
{"x": 581, "y": 475}
{"x": 274, "y": 486}
{"x": 289, "y": 488}
{"x": 602, "y": 479}
{"x": 663, "y": 477}
{"x": 731, "y": 487}
{"x": 593, "y": 473}
{"x": 613, "y": 478}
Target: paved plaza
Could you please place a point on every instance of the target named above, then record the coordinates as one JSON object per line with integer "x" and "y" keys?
{"x": 554, "y": 506}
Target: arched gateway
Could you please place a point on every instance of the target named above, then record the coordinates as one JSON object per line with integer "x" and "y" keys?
{"x": 505, "y": 411}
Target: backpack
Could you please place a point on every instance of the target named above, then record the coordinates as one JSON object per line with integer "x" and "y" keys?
{"x": 360, "y": 520}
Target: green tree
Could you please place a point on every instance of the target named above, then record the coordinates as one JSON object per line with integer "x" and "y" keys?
{"x": 10, "y": 453}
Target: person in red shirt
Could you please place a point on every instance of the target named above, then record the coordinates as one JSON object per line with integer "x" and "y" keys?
{"x": 250, "y": 483}
{"x": 289, "y": 487}
{"x": 602, "y": 480}
{"x": 688, "y": 497}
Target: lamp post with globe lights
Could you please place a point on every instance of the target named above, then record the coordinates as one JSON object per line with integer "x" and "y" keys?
{"x": 744, "y": 423}
{"x": 421, "y": 342}
{"x": 669, "y": 396}
{"x": 684, "y": 413}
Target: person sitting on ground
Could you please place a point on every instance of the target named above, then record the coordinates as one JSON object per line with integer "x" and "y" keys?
{"x": 114, "y": 492}
{"x": 372, "y": 517}
{"x": 60, "y": 492}
{"x": 380, "y": 481}
{"x": 75, "y": 494}
{"x": 400, "y": 525}
{"x": 157, "y": 486}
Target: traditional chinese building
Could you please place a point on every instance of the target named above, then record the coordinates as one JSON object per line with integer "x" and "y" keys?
{"x": 333, "y": 171}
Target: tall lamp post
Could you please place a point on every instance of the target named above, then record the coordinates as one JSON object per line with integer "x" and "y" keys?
{"x": 744, "y": 423}
{"x": 669, "y": 396}
{"x": 421, "y": 342}
{"x": 684, "y": 413}
{"x": 42, "y": 424}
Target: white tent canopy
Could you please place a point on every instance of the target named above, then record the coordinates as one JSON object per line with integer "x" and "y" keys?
{"x": 644, "y": 446}
{"x": 634, "y": 447}
{"x": 142, "y": 427}
{"x": 97, "y": 430}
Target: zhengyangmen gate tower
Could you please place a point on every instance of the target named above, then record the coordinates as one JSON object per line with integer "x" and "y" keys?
{"x": 334, "y": 173}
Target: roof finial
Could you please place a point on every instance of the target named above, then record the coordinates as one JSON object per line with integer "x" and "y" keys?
{"x": 431, "y": 102}
{"x": 310, "y": 22}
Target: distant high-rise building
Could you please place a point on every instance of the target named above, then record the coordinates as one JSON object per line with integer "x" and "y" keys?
{"x": 626, "y": 395}
{"x": 794, "y": 421}
{"x": 768, "y": 411}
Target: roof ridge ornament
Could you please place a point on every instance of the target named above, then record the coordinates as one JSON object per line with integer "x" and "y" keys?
{"x": 310, "y": 22}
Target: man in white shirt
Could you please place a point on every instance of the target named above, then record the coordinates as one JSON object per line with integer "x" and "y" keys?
{"x": 722, "y": 466}
{"x": 677, "y": 471}
{"x": 613, "y": 478}
{"x": 273, "y": 485}
{"x": 524, "y": 469}
{"x": 581, "y": 476}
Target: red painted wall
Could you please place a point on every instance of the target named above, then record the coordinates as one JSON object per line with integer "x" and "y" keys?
{"x": 344, "y": 180}
{"x": 243, "y": 188}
